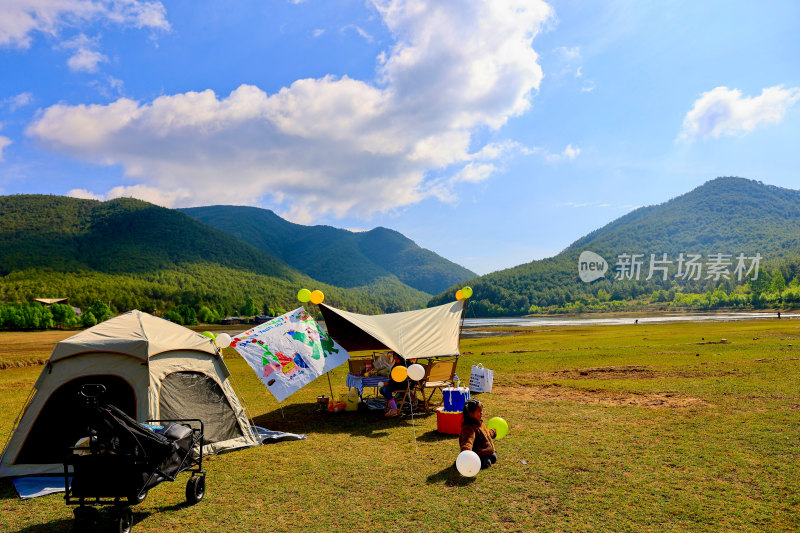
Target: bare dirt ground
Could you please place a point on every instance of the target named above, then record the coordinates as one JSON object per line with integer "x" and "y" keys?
{"x": 520, "y": 387}
{"x": 559, "y": 393}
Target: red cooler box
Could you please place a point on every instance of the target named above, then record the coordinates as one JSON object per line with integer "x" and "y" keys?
{"x": 447, "y": 422}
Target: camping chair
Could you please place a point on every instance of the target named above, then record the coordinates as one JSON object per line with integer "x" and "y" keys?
{"x": 438, "y": 374}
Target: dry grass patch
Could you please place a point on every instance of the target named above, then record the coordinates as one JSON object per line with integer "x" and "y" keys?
{"x": 21, "y": 348}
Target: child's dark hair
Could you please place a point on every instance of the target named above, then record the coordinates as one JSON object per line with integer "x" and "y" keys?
{"x": 470, "y": 406}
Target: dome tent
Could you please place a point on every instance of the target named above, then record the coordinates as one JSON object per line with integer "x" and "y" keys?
{"x": 151, "y": 368}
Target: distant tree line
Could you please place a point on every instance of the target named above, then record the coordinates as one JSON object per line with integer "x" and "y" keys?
{"x": 35, "y": 316}
{"x": 204, "y": 293}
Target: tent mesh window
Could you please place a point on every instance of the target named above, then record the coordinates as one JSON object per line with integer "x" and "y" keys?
{"x": 63, "y": 420}
{"x": 196, "y": 395}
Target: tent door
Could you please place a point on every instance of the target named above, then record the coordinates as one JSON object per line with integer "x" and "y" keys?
{"x": 190, "y": 394}
{"x": 61, "y": 421}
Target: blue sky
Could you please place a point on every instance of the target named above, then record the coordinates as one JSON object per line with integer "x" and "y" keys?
{"x": 493, "y": 133}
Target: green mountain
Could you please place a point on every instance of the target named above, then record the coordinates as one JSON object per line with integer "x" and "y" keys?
{"x": 728, "y": 216}
{"x": 137, "y": 255}
{"x": 336, "y": 256}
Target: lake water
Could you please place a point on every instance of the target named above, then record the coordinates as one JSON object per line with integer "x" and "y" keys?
{"x": 612, "y": 321}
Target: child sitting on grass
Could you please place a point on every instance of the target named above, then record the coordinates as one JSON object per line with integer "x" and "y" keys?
{"x": 475, "y": 435}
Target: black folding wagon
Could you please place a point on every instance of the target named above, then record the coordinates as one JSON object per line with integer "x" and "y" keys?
{"x": 120, "y": 460}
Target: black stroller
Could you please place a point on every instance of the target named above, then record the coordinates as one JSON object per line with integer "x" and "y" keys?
{"x": 121, "y": 460}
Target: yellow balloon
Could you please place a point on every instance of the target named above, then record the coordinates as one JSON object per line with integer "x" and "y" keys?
{"x": 466, "y": 292}
{"x": 459, "y": 296}
{"x": 399, "y": 373}
{"x": 317, "y": 297}
{"x": 304, "y": 295}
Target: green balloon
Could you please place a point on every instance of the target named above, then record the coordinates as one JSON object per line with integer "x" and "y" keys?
{"x": 466, "y": 292}
{"x": 304, "y": 295}
{"x": 499, "y": 425}
{"x": 208, "y": 334}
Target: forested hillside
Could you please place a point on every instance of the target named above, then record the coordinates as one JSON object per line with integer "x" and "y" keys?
{"x": 336, "y": 256}
{"x": 727, "y": 216}
{"x": 132, "y": 254}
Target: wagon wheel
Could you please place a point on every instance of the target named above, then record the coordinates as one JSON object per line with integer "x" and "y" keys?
{"x": 123, "y": 519}
{"x": 195, "y": 489}
{"x": 86, "y": 519}
{"x": 136, "y": 499}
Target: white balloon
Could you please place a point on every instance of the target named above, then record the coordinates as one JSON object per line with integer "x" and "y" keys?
{"x": 468, "y": 463}
{"x": 416, "y": 372}
{"x": 223, "y": 340}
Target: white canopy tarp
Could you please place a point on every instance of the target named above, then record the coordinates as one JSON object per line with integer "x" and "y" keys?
{"x": 432, "y": 332}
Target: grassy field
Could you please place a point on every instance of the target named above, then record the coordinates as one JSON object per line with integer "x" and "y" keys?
{"x": 621, "y": 428}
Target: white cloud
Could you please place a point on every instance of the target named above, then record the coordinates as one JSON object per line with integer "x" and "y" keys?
{"x": 578, "y": 205}
{"x": 475, "y": 173}
{"x": 21, "y": 18}
{"x": 143, "y": 192}
{"x": 329, "y": 145}
{"x": 318, "y": 32}
{"x": 84, "y": 194}
{"x": 108, "y": 86}
{"x": 569, "y": 53}
{"x": 4, "y": 141}
{"x": 723, "y": 111}
{"x": 138, "y": 14}
{"x": 359, "y": 30}
{"x": 496, "y": 150}
{"x": 570, "y": 153}
{"x": 85, "y": 60}
{"x": 20, "y": 100}
{"x": 86, "y": 57}
{"x": 567, "y": 63}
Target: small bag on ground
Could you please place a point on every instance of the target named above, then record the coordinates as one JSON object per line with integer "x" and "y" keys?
{"x": 481, "y": 379}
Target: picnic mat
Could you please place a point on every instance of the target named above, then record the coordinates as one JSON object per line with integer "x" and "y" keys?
{"x": 35, "y": 486}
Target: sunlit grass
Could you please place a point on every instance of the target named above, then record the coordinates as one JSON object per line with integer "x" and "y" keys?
{"x": 638, "y": 428}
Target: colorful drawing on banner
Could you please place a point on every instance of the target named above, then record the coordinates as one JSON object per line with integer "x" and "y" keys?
{"x": 289, "y": 352}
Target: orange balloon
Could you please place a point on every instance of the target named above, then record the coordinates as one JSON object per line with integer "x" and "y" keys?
{"x": 317, "y": 297}
{"x": 399, "y": 373}
{"x": 459, "y": 296}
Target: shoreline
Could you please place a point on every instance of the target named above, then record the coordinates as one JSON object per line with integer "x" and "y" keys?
{"x": 515, "y": 323}
{"x": 654, "y": 312}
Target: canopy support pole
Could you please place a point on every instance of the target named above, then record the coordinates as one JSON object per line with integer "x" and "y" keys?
{"x": 461, "y": 327}
{"x": 328, "y": 373}
{"x": 411, "y": 405}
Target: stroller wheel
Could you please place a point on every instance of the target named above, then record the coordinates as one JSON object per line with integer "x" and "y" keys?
{"x": 123, "y": 519}
{"x": 136, "y": 499}
{"x": 86, "y": 519}
{"x": 195, "y": 489}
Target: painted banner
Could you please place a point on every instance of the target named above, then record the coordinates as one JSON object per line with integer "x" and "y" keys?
{"x": 289, "y": 352}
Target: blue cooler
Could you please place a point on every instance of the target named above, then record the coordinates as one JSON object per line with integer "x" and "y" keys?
{"x": 455, "y": 398}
